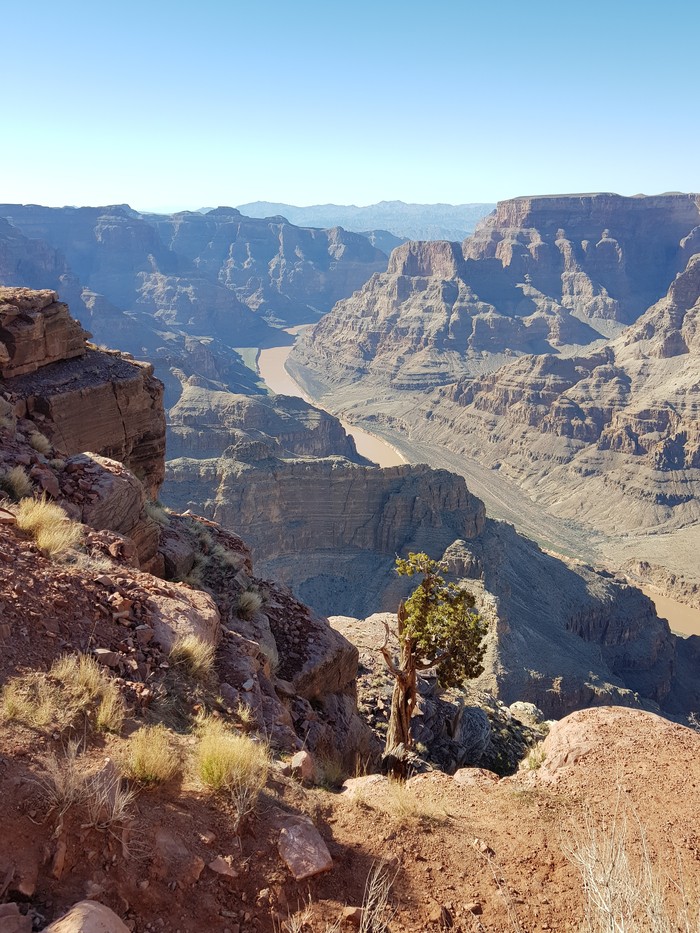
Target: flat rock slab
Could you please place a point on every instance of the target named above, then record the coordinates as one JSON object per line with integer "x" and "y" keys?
{"x": 303, "y": 850}
{"x": 88, "y": 917}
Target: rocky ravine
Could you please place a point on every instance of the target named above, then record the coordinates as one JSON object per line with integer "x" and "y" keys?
{"x": 603, "y": 435}
{"x": 563, "y": 635}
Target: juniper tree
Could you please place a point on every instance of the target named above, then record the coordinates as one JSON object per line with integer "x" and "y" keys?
{"x": 436, "y": 627}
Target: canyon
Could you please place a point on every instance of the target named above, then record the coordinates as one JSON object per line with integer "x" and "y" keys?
{"x": 562, "y": 636}
{"x": 551, "y": 359}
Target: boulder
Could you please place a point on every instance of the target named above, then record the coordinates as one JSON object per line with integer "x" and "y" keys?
{"x": 88, "y": 917}
{"x": 303, "y": 850}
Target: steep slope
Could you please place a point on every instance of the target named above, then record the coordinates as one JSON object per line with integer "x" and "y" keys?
{"x": 76, "y": 399}
{"x": 206, "y": 421}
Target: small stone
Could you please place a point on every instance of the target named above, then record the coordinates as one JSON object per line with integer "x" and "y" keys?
{"x": 59, "y": 859}
{"x": 106, "y": 657}
{"x": 12, "y": 921}
{"x": 222, "y": 867}
{"x": 473, "y": 907}
{"x": 303, "y": 767}
{"x": 248, "y": 684}
{"x": 207, "y": 837}
{"x": 353, "y": 915}
{"x": 88, "y": 915}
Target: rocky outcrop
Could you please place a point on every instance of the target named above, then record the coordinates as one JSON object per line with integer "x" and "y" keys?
{"x": 206, "y": 421}
{"x": 36, "y": 329}
{"x": 601, "y": 255}
{"x": 105, "y": 401}
{"x": 603, "y": 435}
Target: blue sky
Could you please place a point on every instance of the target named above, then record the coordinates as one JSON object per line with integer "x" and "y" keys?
{"x": 184, "y": 104}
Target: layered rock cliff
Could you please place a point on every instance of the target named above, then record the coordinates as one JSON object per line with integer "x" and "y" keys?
{"x": 79, "y": 397}
{"x": 217, "y": 273}
{"x": 538, "y": 275}
{"x": 206, "y": 421}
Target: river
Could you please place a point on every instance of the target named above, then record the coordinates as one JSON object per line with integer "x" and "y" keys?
{"x": 684, "y": 620}
{"x": 277, "y": 379}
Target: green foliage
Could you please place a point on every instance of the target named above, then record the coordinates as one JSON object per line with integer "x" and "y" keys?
{"x": 440, "y": 627}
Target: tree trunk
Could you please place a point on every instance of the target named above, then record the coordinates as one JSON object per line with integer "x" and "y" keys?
{"x": 403, "y": 701}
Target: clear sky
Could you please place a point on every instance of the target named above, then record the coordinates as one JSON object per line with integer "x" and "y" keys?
{"x": 185, "y": 104}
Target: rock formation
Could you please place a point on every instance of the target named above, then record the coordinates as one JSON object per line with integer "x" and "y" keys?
{"x": 207, "y": 420}
{"x": 330, "y": 527}
{"x": 520, "y": 332}
{"x": 216, "y": 273}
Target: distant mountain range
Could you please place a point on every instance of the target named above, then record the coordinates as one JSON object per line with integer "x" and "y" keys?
{"x": 412, "y": 221}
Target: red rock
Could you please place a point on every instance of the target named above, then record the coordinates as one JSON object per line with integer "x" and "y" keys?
{"x": 222, "y": 866}
{"x": 303, "y": 850}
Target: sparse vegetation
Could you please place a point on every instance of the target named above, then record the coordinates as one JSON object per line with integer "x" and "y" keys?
{"x": 52, "y": 530}
{"x": 156, "y": 511}
{"x": 534, "y": 758}
{"x": 194, "y": 656}
{"x": 377, "y": 913}
{"x": 108, "y": 802}
{"x": 63, "y": 780}
{"x": 249, "y": 602}
{"x": 40, "y": 442}
{"x": 624, "y": 891}
{"x": 245, "y": 716}
{"x": 150, "y": 757}
{"x": 74, "y": 690}
{"x": 16, "y": 484}
{"x": 333, "y": 770}
{"x": 234, "y": 763}
{"x": 406, "y": 809}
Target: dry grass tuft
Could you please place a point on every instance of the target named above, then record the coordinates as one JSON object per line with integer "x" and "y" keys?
{"x": 225, "y": 757}
{"x": 406, "y": 809}
{"x": 194, "y": 656}
{"x": 624, "y": 891}
{"x": 40, "y": 443}
{"x": 151, "y": 758}
{"x": 16, "y": 483}
{"x": 75, "y": 690}
{"x": 155, "y": 511}
{"x": 534, "y": 758}
{"x": 376, "y": 910}
{"x": 249, "y": 602}
{"x": 52, "y": 530}
{"x": 63, "y": 780}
